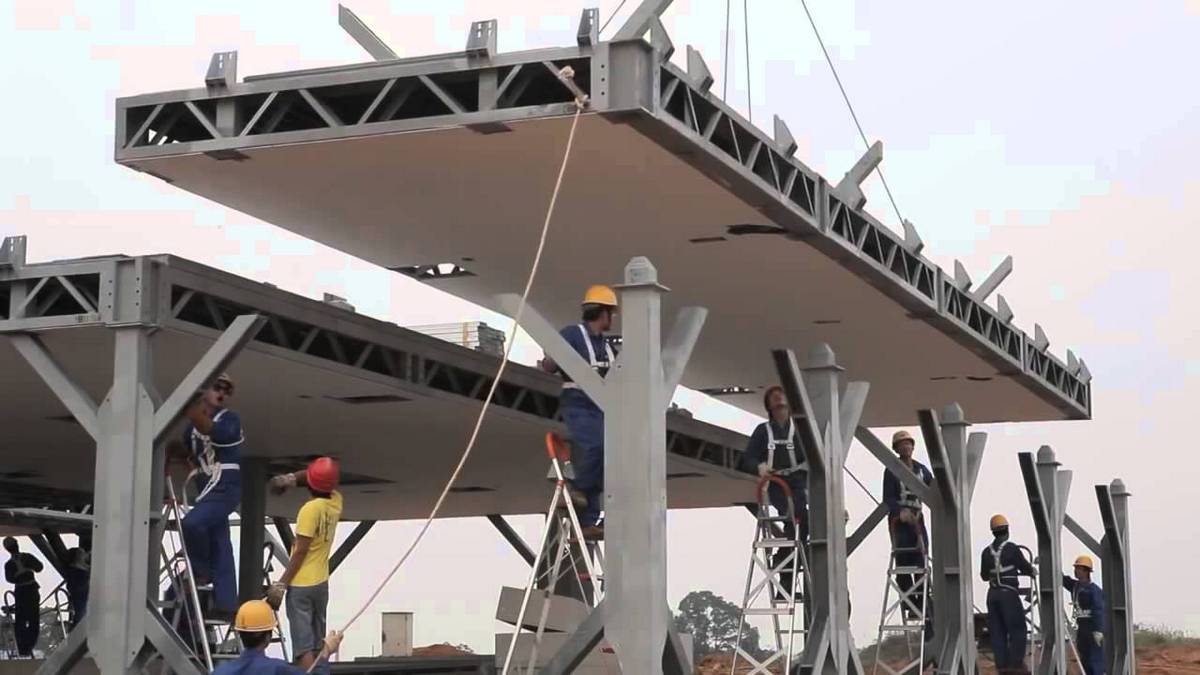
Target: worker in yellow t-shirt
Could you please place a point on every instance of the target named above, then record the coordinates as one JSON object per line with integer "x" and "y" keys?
{"x": 306, "y": 579}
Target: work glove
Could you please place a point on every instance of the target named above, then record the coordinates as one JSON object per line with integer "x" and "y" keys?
{"x": 763, "y": 470}
{"x": 333, "y": 641}
{"x": 279, "y": 484}
{"x": 906, "y": 517}
{"x": 1098, "y": 637}
{"x": 275, "y": 594}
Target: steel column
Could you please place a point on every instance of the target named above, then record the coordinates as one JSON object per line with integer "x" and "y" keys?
{"x": 253, "y": 513}
{"x": 1118, "y": 643}
{"x": 634, "y": 396}
{"x": 1048, "y": 488}
{"x": 826, "y": 417}
{"x": 955, "y": 460}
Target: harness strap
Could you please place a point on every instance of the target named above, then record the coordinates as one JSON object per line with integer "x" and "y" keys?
{"x": 789, "y": 443}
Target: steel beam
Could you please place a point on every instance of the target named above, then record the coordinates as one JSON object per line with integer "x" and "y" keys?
{"x": 356, "y": 536}
{"x": 1048, "y": 487}
{"x": 823, "y": 417}
{"x": 581, "y": 643}
{"x": 887, "y": 457}
{"x": 77, "y": 401}
{"x": 284, "y": 528}
{"x": 510, "y": 535}
{"x": 364, "y": 36}
{"x": 253, "y": 513}
{"x": 641, "y": 19}
{"x": 865, "y": 528}
{"x": 955, "y": 458}
{"x": 1119, "y": 637}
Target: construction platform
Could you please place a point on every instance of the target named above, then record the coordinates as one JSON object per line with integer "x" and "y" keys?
{"x": 394, "y": 405}
{"x": 440, "y": 167}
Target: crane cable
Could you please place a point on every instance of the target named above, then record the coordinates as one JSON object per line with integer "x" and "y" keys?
{"x": 580, "y": 102}
{"x": 846, "y": 98}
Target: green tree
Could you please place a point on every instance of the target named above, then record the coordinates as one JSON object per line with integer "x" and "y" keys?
{"x": 713, "y": 622}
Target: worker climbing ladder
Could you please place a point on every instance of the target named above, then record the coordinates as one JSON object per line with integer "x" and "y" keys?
{"x": 906, "y": 602}
{"x": 563, "y": 556}
{"x": 776, "y": 581}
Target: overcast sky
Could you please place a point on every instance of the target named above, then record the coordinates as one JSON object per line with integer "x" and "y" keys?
{"x": 1061, "y": 133}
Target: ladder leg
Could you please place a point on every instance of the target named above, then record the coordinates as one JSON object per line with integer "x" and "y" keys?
{"x": 533, "y": 571}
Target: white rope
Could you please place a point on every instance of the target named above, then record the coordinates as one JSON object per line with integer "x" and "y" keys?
{"x": 537, "y": 259}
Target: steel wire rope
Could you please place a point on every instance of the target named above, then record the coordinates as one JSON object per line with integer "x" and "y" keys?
{"x": 537, "y": 258}
{"x": 746, "y": 33}
{"x": 612, "y": 16}
{"x": 846, "y": 98}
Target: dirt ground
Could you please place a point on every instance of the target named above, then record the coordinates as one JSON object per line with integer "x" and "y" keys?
{"x": 1178, "y": 659}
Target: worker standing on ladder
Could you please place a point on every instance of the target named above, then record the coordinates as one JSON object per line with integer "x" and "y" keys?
{"x": 20, "y": 571}
{"x": 1000, "y": 565}
{"x": 584, "y": 419}
{"x": 773, "y": 450}
{"x": 906, "y": 521}
{"x": 213, "y": 441}
{"x": 1088, "y": 601}
{"x": 306, "y": 579}
{"x": 255, "y": 622}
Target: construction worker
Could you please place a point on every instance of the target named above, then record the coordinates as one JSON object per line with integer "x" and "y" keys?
{"x": 1000, "y": 565}
{"x": 78, "y": 577}
{"x": 20, "y": 571}
{"x": 584, "y": 419}
{"x": 774, "y": 450}
{"x": 1088, "y": 601}
{"x": 254, "y": 623}
{"x": 906, "y": 522}
{"x": 306, "y": 579}
{"x": 213, "y": 442}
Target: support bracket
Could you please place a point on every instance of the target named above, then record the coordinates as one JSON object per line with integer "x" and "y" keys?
{"x": 849, "y": 188}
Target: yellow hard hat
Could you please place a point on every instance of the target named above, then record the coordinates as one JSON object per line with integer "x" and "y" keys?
{"x": 901, "y": 435}
{"x": 1084, "y": 561}
{"x": 998, "y": 521}
{"x": 255, "y": 616}
{"x": 600, "y": 295}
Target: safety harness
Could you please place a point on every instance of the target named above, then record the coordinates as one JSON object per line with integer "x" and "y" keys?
{"x": 789, "y": 444}
{"x": 601, "y": 367}
{"x": 1076, "y": 611}
{"x": 908, "y": 499}
{"x": 1001, "y": 571}
{"x": 207, "y": 457}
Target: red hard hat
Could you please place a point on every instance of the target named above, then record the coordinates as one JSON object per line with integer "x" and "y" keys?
{"x": 322, "y": 474}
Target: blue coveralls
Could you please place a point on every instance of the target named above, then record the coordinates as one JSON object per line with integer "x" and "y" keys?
{"x": 1000, "y": 565}
{"x": 256, "y": 662}
{"x": 910, "y": 543}
{"x": 585, "y": 421}
{"x": 19, "y": 571}
{"x": 1088, "y": 600}
{"x": 78, "y": 578}
{"x": 206, "y": 525}
{"x": 777, "y": 447}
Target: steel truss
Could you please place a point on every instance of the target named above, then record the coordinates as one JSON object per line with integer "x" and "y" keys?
{"x": 628, "y": 80}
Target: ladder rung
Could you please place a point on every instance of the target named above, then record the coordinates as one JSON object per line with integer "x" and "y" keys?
{"x": 901, "y": 628}
{"x": 773, "y": 611}
{"x": 775, "y": 543}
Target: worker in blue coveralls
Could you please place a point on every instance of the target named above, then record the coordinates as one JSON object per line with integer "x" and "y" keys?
{"x": 78, "y": 577}
{"x": 255, "y": 623}
{"x": 21, "y": 571}
{"x": 1088, "y": 601}
{"x": 906, "y": 523}
{"x": 584, "y": 419}
{"x": 213, "y": 443}
{"x": 774, "y": 450}
{"x": 1001, "y": 565}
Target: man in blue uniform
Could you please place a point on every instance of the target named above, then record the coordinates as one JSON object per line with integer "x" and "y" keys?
{"x": 584, "y": 419}
{"x": 213, "y": 442}
{"x": 20, "y": 571}
{"x": 254, "y": 624}
{"x": 1000, "y": 565}
{"x": 774, "y": 450}
{"x": 78, "y": 577}
{"x": 906, "y": 522}
{"x": 1088, "y": 601}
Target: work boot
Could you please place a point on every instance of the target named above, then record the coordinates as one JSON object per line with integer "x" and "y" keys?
{"x": 593, "y": 533}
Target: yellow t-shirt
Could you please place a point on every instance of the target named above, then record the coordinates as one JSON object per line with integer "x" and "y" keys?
{"x": 318, "y": 521}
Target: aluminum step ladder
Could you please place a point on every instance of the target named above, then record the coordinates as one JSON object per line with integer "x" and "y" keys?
{"x": 777, "y": 582}
{"x": 905, "y": 613}
{"x": 563, "y": 556}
